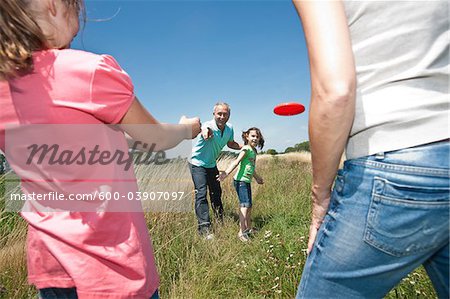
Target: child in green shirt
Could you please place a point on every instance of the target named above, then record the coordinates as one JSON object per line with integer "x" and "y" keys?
{"x": 243, "y": 178}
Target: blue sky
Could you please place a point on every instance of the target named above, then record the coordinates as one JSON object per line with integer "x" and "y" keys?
{"x": 184, "y": 56}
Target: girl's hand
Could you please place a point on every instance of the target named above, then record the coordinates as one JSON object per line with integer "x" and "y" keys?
{"x": 259, "y": 180}
{"x": 194, "y": 122}
{"x": 222, "y": 176}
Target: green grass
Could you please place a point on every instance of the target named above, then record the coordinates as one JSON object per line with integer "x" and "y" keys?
{"x": 270, "y": 266}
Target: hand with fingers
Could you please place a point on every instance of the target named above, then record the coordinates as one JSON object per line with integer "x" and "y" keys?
{"x": 222, "y": 176}
{"x": 207, "y": 133}
{"x": 320, "y": 203}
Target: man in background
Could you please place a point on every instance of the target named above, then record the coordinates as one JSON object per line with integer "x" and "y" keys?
{"x": 215, "y": 134}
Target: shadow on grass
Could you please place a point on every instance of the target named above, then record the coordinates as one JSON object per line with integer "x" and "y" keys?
{"x": 260, "y": 221}
{"x": 232, "y": 215}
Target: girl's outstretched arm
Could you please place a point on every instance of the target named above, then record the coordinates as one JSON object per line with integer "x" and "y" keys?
{"x": 332, "y": 107}
{"x": 258, "y": 179}
{"x": 223, "y": 174}
{"x": 143, "y": 127}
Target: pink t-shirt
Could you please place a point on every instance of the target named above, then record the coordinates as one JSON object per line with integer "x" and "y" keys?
{"x": 103, "y": 254}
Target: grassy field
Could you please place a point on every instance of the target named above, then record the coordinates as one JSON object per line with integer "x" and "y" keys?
{"x": 270, "y": 266}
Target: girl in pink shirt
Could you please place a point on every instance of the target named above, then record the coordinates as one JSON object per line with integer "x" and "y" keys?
{"x": 88, "y": 250}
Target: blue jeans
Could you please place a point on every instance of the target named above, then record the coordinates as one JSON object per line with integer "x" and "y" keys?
{"x": 244, "y": 191}
{"x": 389, "y": 214}
{"x": 69, "y": 293}
{"x": 206, "y": 178}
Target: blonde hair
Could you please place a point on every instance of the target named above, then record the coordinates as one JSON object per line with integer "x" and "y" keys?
{"x": 20, "y": 36}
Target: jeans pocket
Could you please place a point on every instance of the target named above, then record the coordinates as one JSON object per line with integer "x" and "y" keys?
{"x": 405, "y": 219}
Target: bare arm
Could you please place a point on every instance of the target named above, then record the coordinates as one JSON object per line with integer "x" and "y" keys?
{"x": 332, "y": 96}
{"x": 258, "y": 179}
{"x": 223, "y": 174}
{"x": 144, "y": 128}
{"x": 234, "y": 145}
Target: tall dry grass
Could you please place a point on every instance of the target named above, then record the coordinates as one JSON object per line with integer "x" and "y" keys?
{"x": 293, "y": 157}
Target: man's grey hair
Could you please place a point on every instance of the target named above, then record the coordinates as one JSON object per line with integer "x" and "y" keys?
{"x": 221, "y": 104}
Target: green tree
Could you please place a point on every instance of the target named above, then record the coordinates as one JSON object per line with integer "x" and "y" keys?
{"x": 299, "y": 147}
{"x": 271, "y": 152}
{"x": 303, "y": 146}
{"x": 290, "y": 150}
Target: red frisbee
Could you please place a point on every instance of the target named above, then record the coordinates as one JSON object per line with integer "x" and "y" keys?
{"x": 288, "y": 109}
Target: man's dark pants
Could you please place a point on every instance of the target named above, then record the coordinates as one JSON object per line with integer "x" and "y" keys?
{"x": 206, "y": 178}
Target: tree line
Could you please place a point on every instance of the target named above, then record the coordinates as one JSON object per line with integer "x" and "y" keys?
{"x": 299, "y": 147}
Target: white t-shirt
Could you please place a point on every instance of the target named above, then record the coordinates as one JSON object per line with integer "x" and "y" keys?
{"x": 401, "y": 51}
